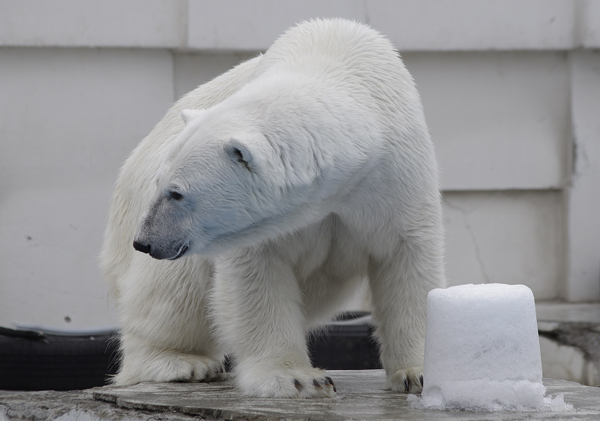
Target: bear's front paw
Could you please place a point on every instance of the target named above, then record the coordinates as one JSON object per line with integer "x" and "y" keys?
{"x": 170, "y": 366}
{"x": 287, "y": 383}
{"x": 409, "y": 380}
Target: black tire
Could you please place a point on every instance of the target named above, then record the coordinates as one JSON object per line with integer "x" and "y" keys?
{"x": 345, "y": 347}
{"x": 57, "y": 362}
{"x": 30, "y": 361}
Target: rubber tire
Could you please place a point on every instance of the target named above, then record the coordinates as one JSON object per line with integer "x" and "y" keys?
{"x": 80, "y": 362}
{"x": 345, "y": 348}
{"x": 58, "y": 362}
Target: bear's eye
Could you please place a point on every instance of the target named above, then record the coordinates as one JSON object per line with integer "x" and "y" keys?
{"x": 175, "y": 196}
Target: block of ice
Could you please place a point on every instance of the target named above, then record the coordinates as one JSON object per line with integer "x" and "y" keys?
{"x": 482, "y": 349}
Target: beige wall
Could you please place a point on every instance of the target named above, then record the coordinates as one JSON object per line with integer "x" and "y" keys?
{"x": 511, "y": 92}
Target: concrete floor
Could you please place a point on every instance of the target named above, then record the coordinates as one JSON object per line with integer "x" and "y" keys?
{"x": 360, "y": 397}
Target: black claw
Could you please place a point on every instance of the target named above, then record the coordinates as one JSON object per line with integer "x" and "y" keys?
{"x": 406, "y": 385}
{"x": 421, "y": 380}
{"x": 298, "y": 384}
{"x": 330, "y": 381}
{"x": 316, "y": 383}
{"x": 334, "y": 389}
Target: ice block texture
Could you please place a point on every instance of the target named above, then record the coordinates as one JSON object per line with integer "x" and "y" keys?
{"x": 482, "y": 349}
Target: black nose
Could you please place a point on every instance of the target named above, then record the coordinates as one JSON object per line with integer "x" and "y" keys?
{"x": 144, "y": 248}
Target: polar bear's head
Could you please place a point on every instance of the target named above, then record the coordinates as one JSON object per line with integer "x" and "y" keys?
{"x": 239, "y": 173}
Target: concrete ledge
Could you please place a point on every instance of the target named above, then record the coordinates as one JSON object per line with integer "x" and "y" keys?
{"x": 570, "y": 341}
{"x": 360, "y": 397}
{"x": 568, "y": 312}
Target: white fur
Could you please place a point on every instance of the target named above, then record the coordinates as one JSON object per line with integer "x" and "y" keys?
{"x": 307, "y": 170}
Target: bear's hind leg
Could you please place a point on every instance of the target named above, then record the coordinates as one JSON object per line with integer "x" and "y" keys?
{"x": 399, "y": 286}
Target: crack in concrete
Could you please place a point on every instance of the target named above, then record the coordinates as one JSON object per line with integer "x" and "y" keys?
{"x": 471, "y": 232}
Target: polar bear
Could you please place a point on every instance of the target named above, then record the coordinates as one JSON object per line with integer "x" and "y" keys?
{"x": 262, "y": 200}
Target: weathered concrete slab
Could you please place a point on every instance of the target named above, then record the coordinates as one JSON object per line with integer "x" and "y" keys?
{"x": 73, "y": 406}
{"x": 360, "y": 397}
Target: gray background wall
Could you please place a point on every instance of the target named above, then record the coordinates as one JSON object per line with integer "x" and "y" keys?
{"x": 511, "y": 91}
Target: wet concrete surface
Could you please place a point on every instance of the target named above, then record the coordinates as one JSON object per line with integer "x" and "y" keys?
{"x": 360, "y": 397}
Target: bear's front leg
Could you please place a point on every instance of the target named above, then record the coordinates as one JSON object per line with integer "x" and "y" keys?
{"x": 258, "y": 309}
{"x": 143, "y": 361}
{"x": 167, "y": 333}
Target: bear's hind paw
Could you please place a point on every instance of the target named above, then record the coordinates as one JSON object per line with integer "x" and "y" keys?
{"x": 409, "y": 380}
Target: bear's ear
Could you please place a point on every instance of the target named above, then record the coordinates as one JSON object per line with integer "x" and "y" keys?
{"x": 240, "y": 153}
{"x": 189, "y": 115}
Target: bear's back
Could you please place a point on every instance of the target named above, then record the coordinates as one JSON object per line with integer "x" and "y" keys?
{"x": 348, "y": 54}
{"x": 335, "y": 44}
